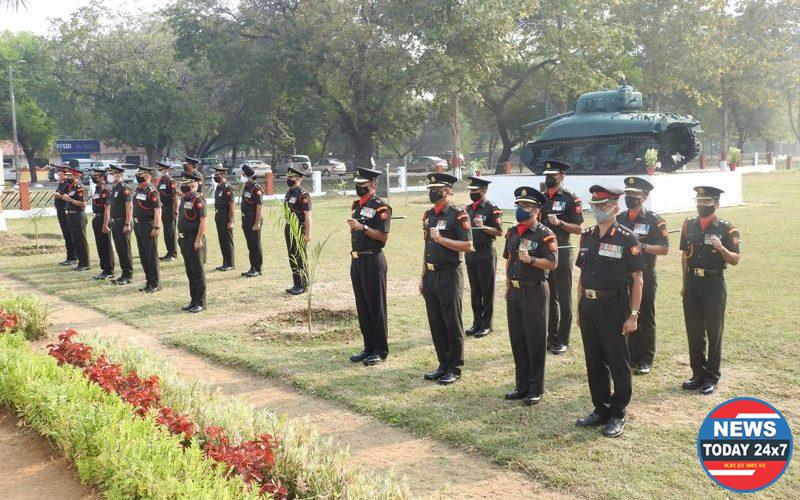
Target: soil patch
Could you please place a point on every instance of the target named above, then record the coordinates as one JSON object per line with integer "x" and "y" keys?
{"x": 24, "y": 250}
{"x": 43, "y": 236}
{"x": 326, "y": 325}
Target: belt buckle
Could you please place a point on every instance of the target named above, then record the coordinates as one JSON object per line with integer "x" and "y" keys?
{"x": 700, "y": 272}
{"x": 430, "y": 266}
{"x": 590, "y": 294}
{"x": 354, "y": 254}
{"x": 515, "y": 283}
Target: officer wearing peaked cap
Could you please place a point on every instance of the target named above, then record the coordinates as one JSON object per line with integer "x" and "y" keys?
{"x": 224, "y": 208}
{"x": 252, "y": 218}
{"x": 146, "y": 226}
{"x": 297, "y": 203}
{"x": 121, "y": 217}
{"x": 75, "y": 198}
{"x": 610, "y": 291}
{"x": 191, "y": 228}
{"x": 60, "y": 203}
{"x": 446, "y": 232}
{"x": 709, "y": 245}
{"x": 370, "y": 220}
{"x": 101, "y": 208}
{"x": 168, "y": 191}
{"x": 487, "y": 222}
{"x": 531, "y": 252}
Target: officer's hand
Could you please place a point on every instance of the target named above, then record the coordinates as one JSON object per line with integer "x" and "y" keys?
{"x": 525, "y": 256}
{"x": 154, "y": 233}
{"x": 174, "y": 215}
{"x": 630, "y": 326}
{"x": 435, "y": 236}
{"x": 198, "y": 244}
{"x": 105, "y": 229}
{"x": 306, "y": 238}
{"x": 478, "y": 221}
{"x": 421, "y": 288}
{"x": 553, "y": 220}
{"x": 716, "y": 243}
{"x": 256, "y": 227}
{"x": 230, "y": 225}
{"x": 126, "y": 228}
{"x": 355, "y": 225}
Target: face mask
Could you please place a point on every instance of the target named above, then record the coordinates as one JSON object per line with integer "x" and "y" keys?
{"x": 140, "y": 179}
{"x": 185, "y": 189}
{"x": 290, "y": 182}
{"x": 435, "y": 195}
{"x": 632, "y": 201}
{"x": 57, "y": 176}
{"x": 475, "y": 196}
{"x": 523, "y": 215}
{"x": 601, "y": 215}
{"x": 705, "y": 210}
{"x": 362, "y": 190}
{"x": 243, "y": 179}
{"x": 109, "y": 178}
{"x": 550, "y": 181}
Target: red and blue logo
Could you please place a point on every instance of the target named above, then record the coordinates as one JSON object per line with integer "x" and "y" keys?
{"x": 745, "y": 444}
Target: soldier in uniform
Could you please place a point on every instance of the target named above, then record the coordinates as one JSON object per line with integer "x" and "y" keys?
{"x": 487, "y": 224}
{"x": 191, "y": 227}
{"x": 252, "y": 217}
{"x": 101, "y": 208}
{"x": 224, "y": 208}
{"x": 531, "y": 252}
{"x": 369, "y": 223}
{"x": 121, "y": 217}
{"x": 168, "y": 191}
{"x": 563, "y": 214}
{"x": 709, "y": 245}
{"x": 298, "y": 205}
{"x": 446, "y": 232}
{"x": 75, "y": 212}
{"x": 61, "y": 206}
{"x": 610, "y": 291}
{"x": 146, "y": 219}
{"x": 190, "y": 166}
{"x": 651, "y": 230}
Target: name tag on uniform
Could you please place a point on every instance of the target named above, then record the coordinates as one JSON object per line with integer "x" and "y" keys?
{"x": 72, "y": 193}
{"x": 481, "y": 218}
{"x": 707, "y": 238}
{"x": 609, "y": 250}
{"x": 141, "y": 196}
{"x": 292, "y": 199}
{"x": 95, "y": 196}
{"x": 441, "y": 225}
{"x": 367, "y": 212}
{"x": 526, "y": 244}
{"x": 559, "y": 206}
{"x": 641, "y": 229}
{"x": 247, "y": 194}
{"x": 115, "y": 194}
{"x": 162, "y": 186}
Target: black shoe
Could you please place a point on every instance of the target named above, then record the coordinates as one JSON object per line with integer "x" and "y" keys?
{"x": 145, "y": 288}
{"x": 123, "y": 281}
{"x": 196, "y": 309}
{"x": 252, "y": 273}
{"x": 515, "y": 395}
{"x": 167, "y": 258}
{"x": 558, "y": 348}
{"x": 614, "y": 427}
{"x": 248, "y": 272}
{"x": 358, "y": 358}
{"x": 188, "y": 307}
{"x": 471, "y": 331}
{"x": 153, "y": 289}
{"x": 224, "y": 268}
{"x": 532, "y": 400}
{"x": 708, "y": 387}
{"x": 298, "y": 291}
{"x": 449, "y": 378}
{"x": 643, "y": 369}
{"x": 592, "y": 420}
{"x": 691, "y": 385}
{"x": 81, "y": 269}
{"x": 101, "y": 276}
{"x": 68, "y": 262}
{"x": 435, "y": 375}
{"x": 373, "y": 359}
{"x": 482, "y": 332}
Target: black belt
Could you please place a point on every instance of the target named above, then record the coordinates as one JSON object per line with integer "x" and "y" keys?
{"x": 702, "y": 273}
{"x": 362, "y": 253}
{"x": 525, "y": 283}
{"x": 440, "y": 267}
{"x": 74, "y": 211}
{"x": 604, "y": 294}
{"x": 142, "y": 221}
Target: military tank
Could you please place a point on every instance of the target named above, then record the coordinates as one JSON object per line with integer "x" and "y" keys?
{"x": 607, "y": 133}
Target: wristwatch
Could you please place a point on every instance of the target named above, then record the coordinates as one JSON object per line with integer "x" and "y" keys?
{"x": 635, "y": 313}
{"x": 364, "y": 228}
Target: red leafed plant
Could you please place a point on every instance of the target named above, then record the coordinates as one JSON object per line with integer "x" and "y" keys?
{"x": 8, "y": 321}
{"x": 69, "y": 352}
{"x": 176, "y": 423}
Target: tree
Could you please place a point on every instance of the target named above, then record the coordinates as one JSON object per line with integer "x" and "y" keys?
{"x": 36, "y": 131}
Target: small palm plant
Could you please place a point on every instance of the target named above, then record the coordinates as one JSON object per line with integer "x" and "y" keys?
{"x": 650, "y": 160}
{"x": 36, "y": 218}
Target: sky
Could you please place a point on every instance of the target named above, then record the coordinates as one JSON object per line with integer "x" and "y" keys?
{"x": 38, "y": 12}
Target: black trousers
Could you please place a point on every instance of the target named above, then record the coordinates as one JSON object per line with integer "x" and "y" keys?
{"x": 606, "y": 352}
{"x": 148, "y": 251}
{"x": 442, "y": 292}
{"x": 193, "y": 262}
{"x": 225, "y": 237}
{"x": 560, "y": 282}
{"x": 527, "y": 312}
{"x": 642, "y": 342}
{"x": 297, "y": 257}
{"x": 253, "y": 239}
{"x": 122, "y": 243}
{"x": 105, "y": 252}
{"x": 368, "y": 275}
{"x": 168, "y": 228}
{"x": 481, "y": 270}
{"x": 76, "y": 224}
{"x": 704, "y": 301}
{"x": 61, "y": 214}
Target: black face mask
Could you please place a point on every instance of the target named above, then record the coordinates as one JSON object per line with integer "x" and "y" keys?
{"x": 185, "y": 189}
{"x": 632, "y": 201}
{"x": 435, "y": 195}
{"x": 705, "y": 210}
{"x": 140, "y": 179}
{"x": 475, "y": 196}
{"x": 362, "y": 190}
{"x": 290, "y": 182}
{"x": 550, "y": 181}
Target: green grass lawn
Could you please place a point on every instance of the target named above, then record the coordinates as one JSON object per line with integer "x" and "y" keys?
{"x": 655, "y": 458}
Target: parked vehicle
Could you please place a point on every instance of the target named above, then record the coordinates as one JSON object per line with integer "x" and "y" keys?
{"x": 207, "y": 166}
{"x": 300, "y": 162}
{"x": 329, "y": 166}
{"x": 261, "y": 168}
{"x": 448, "y": 157}
{"x": 427, "y": 164}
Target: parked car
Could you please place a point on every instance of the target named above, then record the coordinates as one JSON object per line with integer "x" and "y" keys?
{"x": 300, "y": 162}
{"x": 427, "y": 164}
{"x": 329, "y": 166}
{"x": 261, "y": 168}
{"x": 85, "y": 165}
{"x": 207, "y": 166}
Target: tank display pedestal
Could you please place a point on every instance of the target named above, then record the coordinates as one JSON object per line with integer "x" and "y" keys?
{"x": 672, "y": 192}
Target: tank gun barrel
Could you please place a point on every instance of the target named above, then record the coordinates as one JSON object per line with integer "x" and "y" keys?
{"x": 546, "y": 120}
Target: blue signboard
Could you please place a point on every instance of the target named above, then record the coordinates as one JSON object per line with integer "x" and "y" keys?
{"x": 74, "y": 156}
{"x": 78, "y": 146}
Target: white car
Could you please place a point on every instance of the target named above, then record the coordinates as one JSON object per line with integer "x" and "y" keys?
{"x": 427, "y": 164}
{"x": 329, "y": 166}
{"x": 300, "y": 162}
{"x": 261, "y": 168}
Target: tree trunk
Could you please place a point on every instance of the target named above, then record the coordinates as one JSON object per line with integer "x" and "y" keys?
{"x": 234, "y": 152}
{"x": 723, "y": 145}
{"x": 657, "y": 102}
{"x": 154, "y": 154}
{"x": 326, "y": 140}
{"x": 30, "y": 155}
{"x": 363, "y": 145}
{"x": 455, "y": 127}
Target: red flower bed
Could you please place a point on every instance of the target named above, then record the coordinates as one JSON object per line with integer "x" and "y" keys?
{"x": 251, "y": 460}
{"x": 8, "y": 321}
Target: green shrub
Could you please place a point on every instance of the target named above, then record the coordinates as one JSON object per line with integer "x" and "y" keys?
{"x": 124, "y": 455}
{"x": 32, "y": 313}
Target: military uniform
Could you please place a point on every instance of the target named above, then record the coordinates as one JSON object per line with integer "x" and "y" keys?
{"x": 528, "y": 299}
{"x": 201, "y": 187}
{"x": 297, "y": 201}
{"x": 121, "y": 196}
{"x": 443, "y": 282}
{"x": 482, "y": 263}
{"x": 191, "y": 211}
{"x": 368, "y": 271}
{"x": 251, "y": 199}
{"x": 167, "y": 191}
{"x": 223, "y": 197}
{"x": 76, "y": 223}
{"x": 101, "y": 199}
{"x": 145, "y": 202}
{"x": 61, "y": 214}
{"x": 568, "y": 208}
{"x": 651, "y": 229}
{"x": 607, "y": 262}
{"x": 705, "y": 292}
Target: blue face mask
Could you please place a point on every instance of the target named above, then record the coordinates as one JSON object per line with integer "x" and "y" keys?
{"x": 522, "y": 215}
